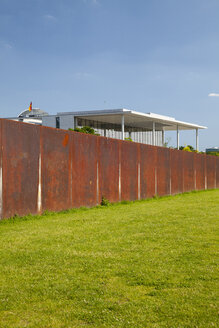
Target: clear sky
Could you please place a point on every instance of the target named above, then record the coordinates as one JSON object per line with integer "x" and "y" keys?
{"x": 158, "y": 56}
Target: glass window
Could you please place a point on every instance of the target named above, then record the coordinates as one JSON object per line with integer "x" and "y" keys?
{"x": 57, "y": 122}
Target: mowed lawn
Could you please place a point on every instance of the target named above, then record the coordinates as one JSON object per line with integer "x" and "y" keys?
{"x": 150, "y": 264}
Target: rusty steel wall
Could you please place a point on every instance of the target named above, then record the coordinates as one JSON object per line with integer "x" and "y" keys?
{"x": 55, "y": 169}
{"x": 129, "y": 170}
{"x": 163, "y": 171}
{"x": 20, "y": 175}
{"x": 85, "y": 184}
{"x": 51, "y": 169}
{"x": 109, "y": 169}
{"x": 176, "y": 171}
{"x": 199, "y": 171}
{"x": 217, "y": 172}
{"x": 211, "y": 172}
{"x": 188, "y": 171}
{"x": 148, "y": 162}
{"x": 1, "y": 183}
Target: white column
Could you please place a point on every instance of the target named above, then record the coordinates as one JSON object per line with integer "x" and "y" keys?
{"x": 177, "y": 137}
{"x": 123, "y": 127}
{"x": 163, "y": 137}
{"x": 153, "y": 134}
{"x": 73, "y": 122}
{"x": 197, "y": 143}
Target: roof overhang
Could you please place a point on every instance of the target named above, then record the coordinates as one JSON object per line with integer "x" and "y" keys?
{"x": 135, "y": 119}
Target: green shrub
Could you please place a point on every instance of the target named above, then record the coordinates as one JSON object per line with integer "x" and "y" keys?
{"x": 213, "y": 153}
{"x": 104, "y": 202}
{"x": 188, "y": 148}
{"x": 85, "y": 129}
{"x": 128, "y": 139}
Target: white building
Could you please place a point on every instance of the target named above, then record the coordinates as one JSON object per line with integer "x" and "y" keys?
{"x": 148, "y": 128}
{"x": 123, "y": 123}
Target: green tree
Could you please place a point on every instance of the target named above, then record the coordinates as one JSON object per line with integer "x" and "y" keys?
{"x": 85, "y": 129}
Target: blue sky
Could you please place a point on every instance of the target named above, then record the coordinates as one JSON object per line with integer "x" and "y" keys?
{"x": 158, "y": 56}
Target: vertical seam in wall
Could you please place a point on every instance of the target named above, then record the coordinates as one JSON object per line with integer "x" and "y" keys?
{"x": 183, "y": 183}
{"x": 97, "y": 182}
{"x": 170, "y": 180}
{"x": 217, "y": 172}
{"x": 170, "y": 161}
{"x": 139, "y": 181}
{"x": 71, "y": 173}
{"x": 195, "y": 178}
{"x": 39, "y": 194}
{"x": 195, "y": 175}
{"x": 1, "y": 176}
{"x": 119, "y": 181}
{"x": 155, "y": 180}
{"x": 205, "y": 173}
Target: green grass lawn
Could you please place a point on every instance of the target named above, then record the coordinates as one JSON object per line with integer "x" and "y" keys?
{"x": 150, "y": 264}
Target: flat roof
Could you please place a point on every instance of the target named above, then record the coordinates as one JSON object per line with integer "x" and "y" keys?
{"x": 134, "y": 119}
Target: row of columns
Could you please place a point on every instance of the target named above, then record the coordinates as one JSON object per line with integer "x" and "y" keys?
{"x": 153, "y": 134}
{"x": 196, "y": 141}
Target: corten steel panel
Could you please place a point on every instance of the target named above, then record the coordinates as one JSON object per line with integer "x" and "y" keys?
{"x": 148, "y": 165}
{"x": 188, "y": 171}
{"x": 163, "y": 171}
{"x": 200, "y": 171}
{"x": 85, "y": 186}
{"x": 1, "y": 169}
{"x": 211, "y": 171}
{"x": 176, "y": 171}
{"x": 56, "y": 169}
{"x": 20, "y": 161}
{"x": 129, "y": 170}
{"x": 108, "y": 169}
{"x": 217, "y": 172}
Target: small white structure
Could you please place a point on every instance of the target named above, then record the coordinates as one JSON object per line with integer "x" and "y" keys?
{"x": 33, "y": 117}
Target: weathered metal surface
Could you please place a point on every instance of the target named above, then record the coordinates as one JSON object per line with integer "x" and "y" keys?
{"x": 176, "y": 171}
{"x": 211, "y": 171}
{"x": 217, "y": 172}
{"x": 163, "y": 171}
{"x": 199, "y": 171}
{"x": 1, "y": 200}
{"x": 148, "y": 156}
{"x": 109, "y": 169}
{"x": 56, "y": 169}
{"x": 188, "y": 171}
{"x": 20, "y": 157}
{"x": 51, "y": 169}
{"x": 85, "y": 170}
{"x": 129, "y": 170}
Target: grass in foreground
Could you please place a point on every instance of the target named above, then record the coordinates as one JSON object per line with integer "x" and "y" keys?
{"x": 145, "y": 264}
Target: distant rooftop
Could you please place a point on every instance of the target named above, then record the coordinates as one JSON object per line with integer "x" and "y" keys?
{"x": 35, "y": 112}
{"x": 212, "y": 150}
